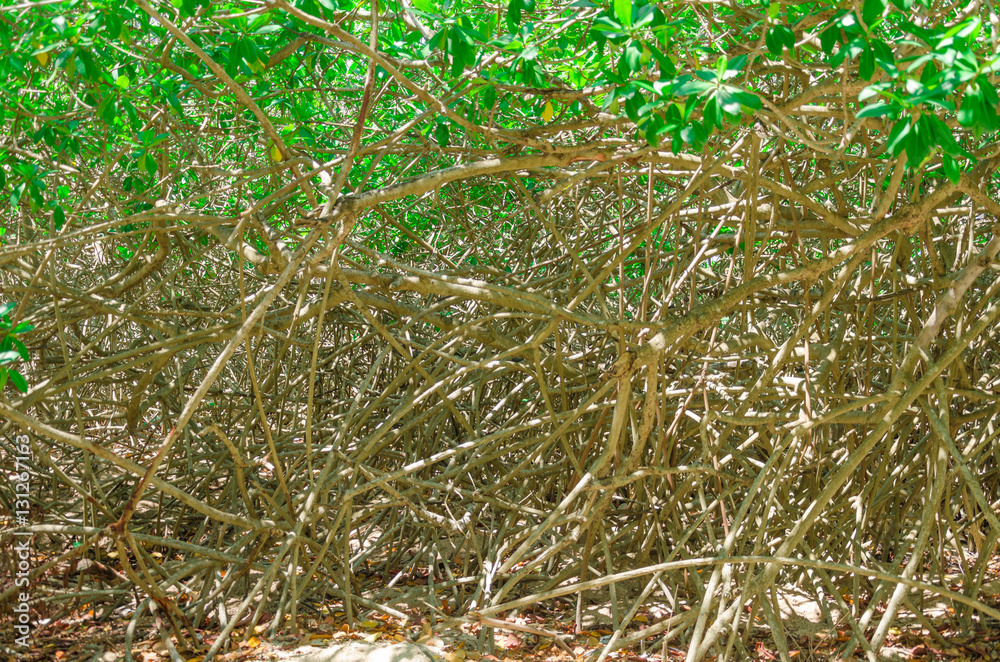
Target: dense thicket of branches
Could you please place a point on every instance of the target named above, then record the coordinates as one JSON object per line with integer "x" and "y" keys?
{"x": 319, "y": 306}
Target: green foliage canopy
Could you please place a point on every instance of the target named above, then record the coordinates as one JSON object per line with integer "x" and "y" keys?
{"x": 113, "y": 83}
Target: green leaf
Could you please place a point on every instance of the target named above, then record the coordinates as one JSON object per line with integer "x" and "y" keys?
{"x": 20, "y": 347}
{"x": 255, "y": 61}
{"x": 968, "y": 114}
{"x": 15, "y": 196}
{"x": 989, "y": 92}
{"x": 439, "y": 38}
{"x": 874, "y": 90}
{"x": 647, "y": 15}
{"x": 9, "y": 356}
{"x": 632, "y": 107}
{"x": 692, "y": 87}
{"x": 35, "y": 193}
{"x": 488, "y": 97}
{"x": 828, "y": 39}
{"x": 928, "y": 74}
{"x": 175, "y": 104}
{"x": 866, "y": 64}
{"x": 687, "y": 134}
{"x": 233, "y": 65}
{"x": 879, "y": 110}
{"x": 872, "y": 11}
{"x": 514, "y": 14}
{"x": 850, "y": 50}
{"x": 269, "y": 29}
{"x": 773, "y": 10}
{"x": 945, "y": 138}
{"x": 112, "y": 25}
{"x": 785, "y": 36}
{"x": 897, "y": 135}
{"x": 847, "y": 21}
{"x": 623, "y": 12}
{"x": 441, "y": 134}
{"x": 919, "y": 141}
{"x": 457, "y": 49}
{"x": 951, "y": 169}
{"x": 735, "y": 66}
{"x": 667, "y": 68}
{"x": 747, "y": 99}
{"x": 306, "y": 135}
{"x": 6, "y": 308}
{"x": 18, "y": 380}
{"x": 109, "y": 112}
{"x": 774, "y": 45}
{"x": 967, "y": 29}
{"x": 608, "y": 26}
{"x": 654, "y": 127}
{"x": 59, "y": 216}
{"x": 727, "y": 101}
{"x": 633, "y": 56}
{"x": 712, "y": 112}
{"x": 884, "y": 57}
